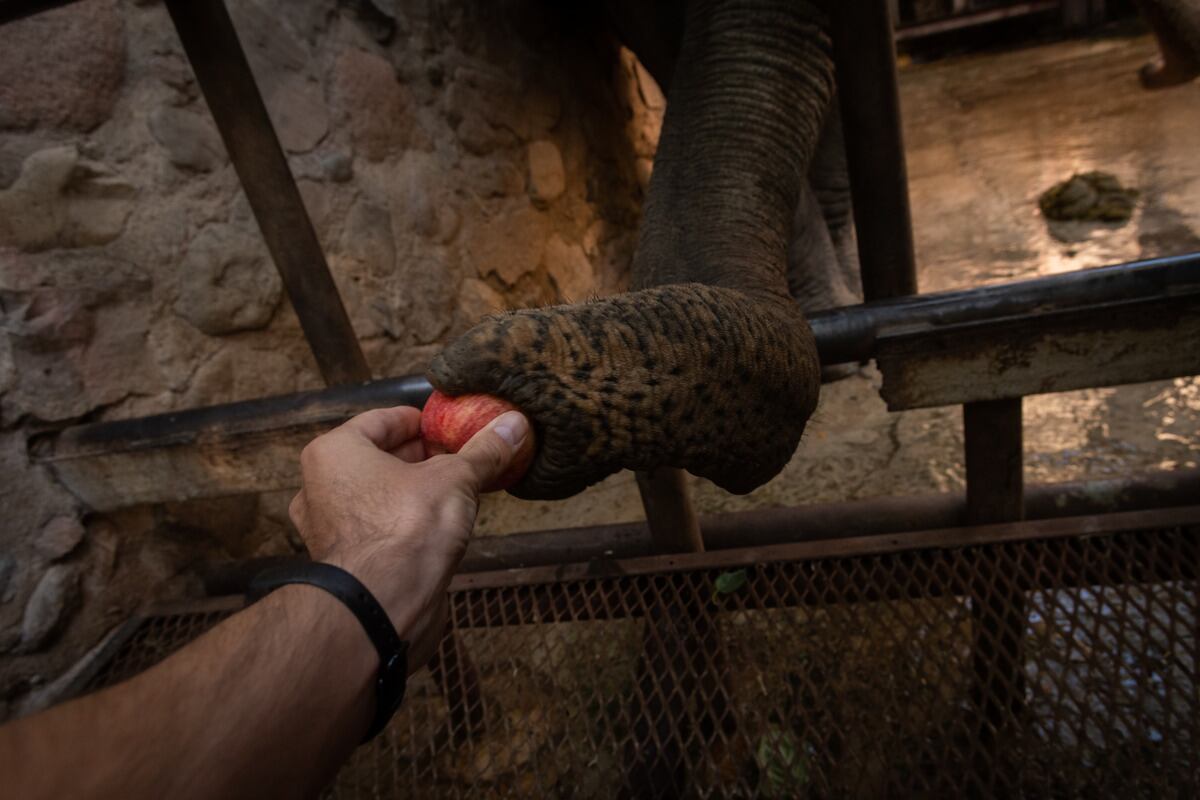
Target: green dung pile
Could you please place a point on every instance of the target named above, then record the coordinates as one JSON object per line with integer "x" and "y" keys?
{"x": 1088, "y": 197}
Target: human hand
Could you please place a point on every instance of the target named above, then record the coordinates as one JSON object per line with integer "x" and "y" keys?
{"x": 373, "y": 505}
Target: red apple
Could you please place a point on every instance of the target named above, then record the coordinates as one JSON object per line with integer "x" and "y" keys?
{"x": 447, "y": 423}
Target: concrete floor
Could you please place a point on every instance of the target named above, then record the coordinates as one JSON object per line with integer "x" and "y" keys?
{"x": 985, "y": 135}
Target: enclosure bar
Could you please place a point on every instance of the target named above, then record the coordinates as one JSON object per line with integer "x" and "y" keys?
{"x": 850, "y": 333}
{"x": 900, "y": 518}
{"x": 224, "y": 75}
{"x": 1185, "y": 517}
{"x": 251, "y": 446}
{"x": 667, "y": 501}
{"x": 565, "y": 598}
{"x": 13, "y": 10}
{"x": 829, "y": 522}
{"x": 1105, "y": 345}
{"x": 560, "y": 602}
{"x": 868, "y": 95}
{"x": 972, "y": 19}
{"x": 993, "y": 444}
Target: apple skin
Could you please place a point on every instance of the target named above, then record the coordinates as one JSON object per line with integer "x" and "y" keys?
{"x": 448, "y": 423}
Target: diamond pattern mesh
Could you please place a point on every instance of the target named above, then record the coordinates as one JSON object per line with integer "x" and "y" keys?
{"x": 1057, "y": 668}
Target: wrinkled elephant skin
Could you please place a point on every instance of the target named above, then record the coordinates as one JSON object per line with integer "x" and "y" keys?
{"x": 708, "y": 364}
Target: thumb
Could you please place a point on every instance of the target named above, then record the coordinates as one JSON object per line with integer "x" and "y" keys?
{"x": 490, "y": 451}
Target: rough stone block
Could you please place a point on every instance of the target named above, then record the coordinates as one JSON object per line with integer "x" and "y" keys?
{"x": 189, "y": 136}
{"x": 62, "y": 68}
{"x": 51, "y": 604}
{"x": 63, "y": 200}
{"x": 59, "y": 536}
{"x": 547, "y": 178}
{"x": 227, "y": 282}
{"x": 374, "y": 105}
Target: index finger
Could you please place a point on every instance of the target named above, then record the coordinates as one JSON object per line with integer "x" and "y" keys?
{"x": 387, "y": 428}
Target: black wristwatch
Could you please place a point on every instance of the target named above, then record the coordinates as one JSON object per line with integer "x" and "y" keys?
{"x": 393, "y": 651}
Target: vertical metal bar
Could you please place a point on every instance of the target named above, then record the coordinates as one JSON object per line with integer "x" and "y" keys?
{"x": 672, "y": 639}
{"x": 995, "y": 493}
{"x": 869, "y": 98}
{"x": 224, "y": 75}
{"x": 993, "y": 440}
{"x": 674, "y": 527}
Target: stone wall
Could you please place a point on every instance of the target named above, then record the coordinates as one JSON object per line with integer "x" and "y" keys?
{"x": 457, "y": 158}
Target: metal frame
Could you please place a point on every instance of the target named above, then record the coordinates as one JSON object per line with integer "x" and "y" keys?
{"x": 226, "y": 443}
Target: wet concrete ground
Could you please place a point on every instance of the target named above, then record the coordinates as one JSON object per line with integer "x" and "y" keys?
{"x": 985, "y": 135}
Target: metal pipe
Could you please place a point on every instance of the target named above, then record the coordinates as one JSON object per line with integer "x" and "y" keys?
{"x": 224, "y": 75}
{"x": 562, "y": 593}
{"x": 868, "y": 91}
{"x": 831, "y": 521}
{"x": 768, "y": 527}
{"x": 848, "y": 334}
{"x": 174, "y": 428}
{"x": 12, "y": 10}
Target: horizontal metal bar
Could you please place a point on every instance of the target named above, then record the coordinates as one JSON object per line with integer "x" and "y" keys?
{"x": 1105, "y": 345}
{"x": 974, "y": 18}
{"x": 558, "y": 595}
{"x": 554, "y": 605}
{"x": 251, "y": 446}
{"x": 826, "y": 522}
{"x": 823, "y": 522}
{"x": 322, "y": 406}
{"x": 216, "y": 451}
{"x": 849, "y": 334}
{"x": 12, "y": 10}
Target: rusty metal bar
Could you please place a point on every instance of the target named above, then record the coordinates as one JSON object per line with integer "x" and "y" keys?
{"x": 993, "y": 445}
{"x": 993, "y": 442}
{"x": 825, "y": 522}
{"x": 972, "y": 19}
{"x": 864, "y": 56}
{"x": 251, "y": 446}
{"x": 674, "y": 527}
{"x": 1108, "y": 345}
{"x": 13, "y": 10}
{"x": 224, "y": 75}
{"x": 217, "y": 451}
{"x": 851, "y": 334}
{"x": 1185, "y": 517}
{"x": 821, "y": 526}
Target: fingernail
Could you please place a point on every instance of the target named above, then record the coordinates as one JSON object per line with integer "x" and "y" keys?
{"x": 512, "y": 427}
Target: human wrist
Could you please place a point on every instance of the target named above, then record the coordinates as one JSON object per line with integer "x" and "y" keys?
{"x": 392, "y": 581}
{"x": 330, "y": 629}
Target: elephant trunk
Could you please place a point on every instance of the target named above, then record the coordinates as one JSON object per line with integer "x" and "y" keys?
{"x": 748, "y": 95}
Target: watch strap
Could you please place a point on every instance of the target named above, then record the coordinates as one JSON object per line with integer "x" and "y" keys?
{"x": 393, "y": 651}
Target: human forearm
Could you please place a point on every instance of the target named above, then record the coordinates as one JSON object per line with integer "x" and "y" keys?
{"x": 266, "y": 704}
{"x": 271, "y": 701}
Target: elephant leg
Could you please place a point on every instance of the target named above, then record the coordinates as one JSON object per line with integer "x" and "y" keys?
{"x": 1176, "y": 26}
{"x": 830, "y": 179}
{"x": 815, "y": 275}
{"x": 709, "y": 365}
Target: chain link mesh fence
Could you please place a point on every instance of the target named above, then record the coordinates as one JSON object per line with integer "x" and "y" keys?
{"x": 1053, "y": 668}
